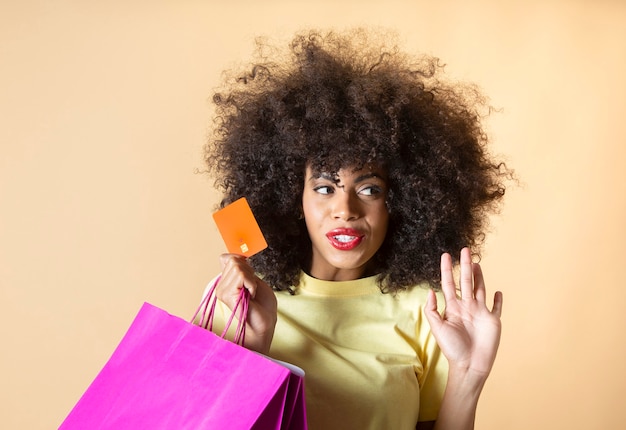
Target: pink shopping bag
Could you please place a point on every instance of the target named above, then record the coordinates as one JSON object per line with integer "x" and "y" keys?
{"x": 167, "y": 373}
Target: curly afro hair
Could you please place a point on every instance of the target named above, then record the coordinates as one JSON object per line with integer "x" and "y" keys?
{"x": 341, "y": 100}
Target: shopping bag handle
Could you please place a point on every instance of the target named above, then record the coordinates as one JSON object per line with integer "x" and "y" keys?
{"x": 207, "y": 312}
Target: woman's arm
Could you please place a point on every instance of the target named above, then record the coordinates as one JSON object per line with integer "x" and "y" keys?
{"x": 468, "y": 334}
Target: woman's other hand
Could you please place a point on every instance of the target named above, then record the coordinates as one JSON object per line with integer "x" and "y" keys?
{"x": 468, "y": 333}
{"x": 237, "y": 274}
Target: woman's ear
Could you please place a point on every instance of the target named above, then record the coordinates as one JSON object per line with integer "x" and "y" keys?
{"x": 388, "y": 201}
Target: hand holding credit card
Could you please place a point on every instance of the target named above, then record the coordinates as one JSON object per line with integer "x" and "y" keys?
{"x": 239, "y": 229}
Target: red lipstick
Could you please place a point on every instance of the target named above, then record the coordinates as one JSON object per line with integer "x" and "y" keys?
{"x": 344, "y": 239}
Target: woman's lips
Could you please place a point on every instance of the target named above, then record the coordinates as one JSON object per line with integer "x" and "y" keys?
{"x": 344, "y": 239}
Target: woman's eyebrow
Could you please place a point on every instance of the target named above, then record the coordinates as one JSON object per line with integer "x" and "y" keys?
{"x": 369, "y": 176}
{"x": 336, "y": 179}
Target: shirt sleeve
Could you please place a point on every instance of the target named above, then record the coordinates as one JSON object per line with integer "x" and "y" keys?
{"x": 434, "y": 376}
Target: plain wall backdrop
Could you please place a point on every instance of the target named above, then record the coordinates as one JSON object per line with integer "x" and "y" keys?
{"x": 105, "y": 107}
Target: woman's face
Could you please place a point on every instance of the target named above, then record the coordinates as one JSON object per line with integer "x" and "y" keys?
{"x": 346, "y": 217}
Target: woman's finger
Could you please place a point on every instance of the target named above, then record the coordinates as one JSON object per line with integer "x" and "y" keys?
{"x": 479, "y": 284}
{"x": 448, "y": 287}
{"x": 236, "y": 274}
{"x": 432, "y": 314}
{"x": 498, "y": 301}
{"x": 467, "y": 275}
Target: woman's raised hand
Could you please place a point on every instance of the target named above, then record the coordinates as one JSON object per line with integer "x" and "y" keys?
{"x": 238, "y": 274}
{"x": 468, "y": 333}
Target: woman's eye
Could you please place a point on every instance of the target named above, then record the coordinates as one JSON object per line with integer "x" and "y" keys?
{"x": 323, "y": 189}
{"x": 370, "y": 191}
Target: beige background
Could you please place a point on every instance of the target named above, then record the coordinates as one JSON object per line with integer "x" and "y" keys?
{"x": 103, "y": 113}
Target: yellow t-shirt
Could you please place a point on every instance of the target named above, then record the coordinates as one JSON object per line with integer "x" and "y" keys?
{"x": 369, "y": 358}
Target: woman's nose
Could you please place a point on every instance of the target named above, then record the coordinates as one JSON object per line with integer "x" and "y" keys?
{"x": 346, "y": 205}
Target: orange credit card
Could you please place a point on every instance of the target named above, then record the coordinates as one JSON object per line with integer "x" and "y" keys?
{"x": 239, "y": 229}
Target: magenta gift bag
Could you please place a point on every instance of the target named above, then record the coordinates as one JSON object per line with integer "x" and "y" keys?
{"x": 167, "y": 373}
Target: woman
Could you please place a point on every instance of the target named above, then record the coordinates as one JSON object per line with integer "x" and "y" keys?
{"x": 365, "y": 173}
